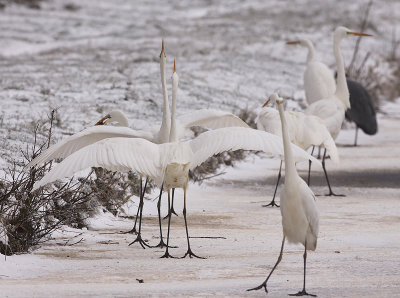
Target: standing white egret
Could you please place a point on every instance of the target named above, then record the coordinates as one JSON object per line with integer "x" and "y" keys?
{"x": 300, "y": 218}
{"x": 319, "y": 81}
{"x": 332, "y": 109}
{"x": 167, "y": 164}
{"x": 304, "y": 131}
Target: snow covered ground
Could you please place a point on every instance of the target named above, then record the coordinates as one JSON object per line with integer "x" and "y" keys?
{"x": 358, "y": 253}
{"x": 230, "y": 55}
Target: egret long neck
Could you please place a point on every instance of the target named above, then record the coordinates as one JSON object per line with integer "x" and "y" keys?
{"x": 172, "y": 135}
{"x": 166, "y": 118}
{"x": 342, "y": 91}
{"x": 290, "y": 167}
{"x": 311, "y": 50}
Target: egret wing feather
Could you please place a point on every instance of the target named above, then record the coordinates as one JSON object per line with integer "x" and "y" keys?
{"x": 115, "y": 154}
{"x": 234, "y": 138}
{"x": 331, "y": 111}
{"x": 212, "y": 119}
{"x": 84, "y": 138}
{"x": 319, "y": 82}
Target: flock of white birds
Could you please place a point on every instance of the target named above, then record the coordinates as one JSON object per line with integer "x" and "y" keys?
{"x": 160, "y": 155}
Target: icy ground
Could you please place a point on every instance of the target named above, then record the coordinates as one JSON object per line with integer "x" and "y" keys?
{"x": 230, "y": 55}
{"x": 358, "y": 253}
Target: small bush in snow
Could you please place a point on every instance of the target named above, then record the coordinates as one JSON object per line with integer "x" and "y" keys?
{"x": 28, "y": 218}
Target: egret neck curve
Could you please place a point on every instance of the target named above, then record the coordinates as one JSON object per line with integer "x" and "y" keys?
{"x": 342, "y": 91}
{"x": 290, "y": 167}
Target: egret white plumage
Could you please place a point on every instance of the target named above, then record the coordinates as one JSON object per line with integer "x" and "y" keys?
{"x": 167, "y": 164}
{"x": 332, "y": 109}
{"x": 208, "y": 118}
{"x": 319, "y": 81}
{"x": 300, "y": 217}
{"x": 304, "y": 131}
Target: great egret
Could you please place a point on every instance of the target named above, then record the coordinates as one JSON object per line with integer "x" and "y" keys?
{"x": 208, "y": 118}
{"x": 167, "y": 164}
{"x": 300, "y": 217}
{"x": 318, "y": 79}
{"x": 362, "y": 110}
{"x": 304, "y": 131}
{"x": 332, "y": 109}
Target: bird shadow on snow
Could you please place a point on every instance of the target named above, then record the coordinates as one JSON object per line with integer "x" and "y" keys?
{"x": 377, "y": 178}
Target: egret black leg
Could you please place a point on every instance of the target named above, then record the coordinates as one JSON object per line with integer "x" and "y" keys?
{"x": 139, "y": 235}
{"x": 161, "y": 244}
{"x": 189, "y": 251}
{"x": 166, "y": 254}
{"x": 133, "y": 230}
{"x": 356, "y": 137}
{"x": 264, "y": 284}
{"x": 172, "y": 203}
{"x": 272, "y": 203}
{"x": 303, "y": 292}
{"x": 331, "y": 193}
{"x": 171, "y": 210}
{"x": 309, "y": 166}
{"x": 136, "y": 218}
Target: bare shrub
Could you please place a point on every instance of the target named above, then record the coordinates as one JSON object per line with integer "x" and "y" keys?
{"x": 113, "y": 189}
{"x": 381, "y": 86}
{"x": 28, "y": 218}
{"x": 249, "y": 117}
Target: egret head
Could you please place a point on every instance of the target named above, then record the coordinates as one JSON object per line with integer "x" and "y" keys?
{"x": 274, "y": 99}
{"x": 342, "y": 32}
{"x": 163, "y": 56}
{"x": 115, "y": 116}
{"x": 175, "y": 77}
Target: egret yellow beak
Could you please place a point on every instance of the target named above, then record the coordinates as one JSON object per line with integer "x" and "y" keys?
{"x": 359, "y": 34}
{"x": 266, "y": 103}
{"x": 174, "y": 66}
{"x": 162, "y": 49}
{"x": 293, "y": 42}
{"x": 103, "y": 120}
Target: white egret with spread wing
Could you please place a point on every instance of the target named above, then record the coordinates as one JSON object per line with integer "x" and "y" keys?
{"x": 167, "y": 164}
{"x": 208, "y": 118}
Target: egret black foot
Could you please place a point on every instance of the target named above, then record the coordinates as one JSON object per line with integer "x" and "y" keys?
{"x": 303, "y": 293}
{"x": 133, "y": 231}
{"x": 263, "y": 285}
{"x": 162, "y": 244}
{"x": 331, "y": 193}
{"x": 167, "y": 256}
{"x": 140, "y": 241}
{"x": 272, "y": 204}
{"x": 191, "y": 255}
